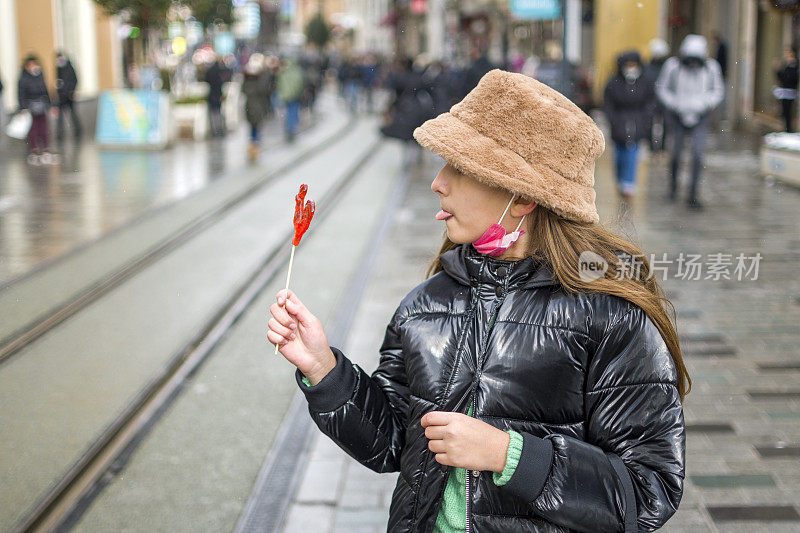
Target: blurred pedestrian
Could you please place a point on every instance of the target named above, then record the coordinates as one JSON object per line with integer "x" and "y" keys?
{"x": 369, "y": 79}
{"x": 479, "y": 65}
{"x": 290, "y": 85}
{"x": 626, "y": 101}
{"x": 412, "y": 106}
{"x": 721, "y": 54}
{"x": 437, "y": 81}
{"x": 690, "y": 87}
{"x": 312, "y": 74}
{"x": 216, "y": 76}
{"x": 33, "y": 95}
{"x": 531, "y": 66}
{"x": 659, "y": 53}
{"x": 514, "y": 392}
{"x": 66, "y": 83}
{"x": 517, "y": 61}
{"x": 255, "y": 88}
{"x": 2, "y": 114}
{"x": 786, "y": 92}
{"x": 350, "y": 76}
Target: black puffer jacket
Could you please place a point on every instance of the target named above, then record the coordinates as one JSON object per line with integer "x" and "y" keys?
{"x": 628, "y": 104}
{"x": 32, "y": 93}
{"x": 587, "y": 380}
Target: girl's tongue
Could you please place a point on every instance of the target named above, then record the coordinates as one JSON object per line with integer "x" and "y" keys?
{"x": 443, "y": 215}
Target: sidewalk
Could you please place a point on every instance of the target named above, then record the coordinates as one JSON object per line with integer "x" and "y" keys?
{"x": 740, "y": 341}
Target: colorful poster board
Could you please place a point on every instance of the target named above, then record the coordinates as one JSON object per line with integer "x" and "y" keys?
{"x": 132, "y": 117}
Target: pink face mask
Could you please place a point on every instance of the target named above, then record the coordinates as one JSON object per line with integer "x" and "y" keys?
{"x": 494, "y": 240}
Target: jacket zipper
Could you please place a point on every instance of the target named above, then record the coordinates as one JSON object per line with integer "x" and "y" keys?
{"x": 470, "y": 473}
{"x": 471, "y": 314}
{"x": 479, "y": 361}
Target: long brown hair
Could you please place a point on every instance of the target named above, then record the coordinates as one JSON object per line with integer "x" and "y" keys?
{"x": 560, "y": 242}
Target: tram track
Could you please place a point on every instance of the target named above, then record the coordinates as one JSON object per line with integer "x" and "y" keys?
{"x": 110, "y": 450}
{"x": 12, "y": 344}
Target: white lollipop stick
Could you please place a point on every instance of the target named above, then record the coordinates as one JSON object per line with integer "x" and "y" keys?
{"x": 286, "y": 290}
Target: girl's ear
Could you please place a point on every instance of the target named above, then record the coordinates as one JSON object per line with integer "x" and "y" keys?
{"x": 523, "y": 206}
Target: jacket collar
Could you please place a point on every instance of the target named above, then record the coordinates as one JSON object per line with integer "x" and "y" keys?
{"x": 468, "y": 267}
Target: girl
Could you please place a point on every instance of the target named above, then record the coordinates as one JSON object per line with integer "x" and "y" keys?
{"x": 517, "y": 390}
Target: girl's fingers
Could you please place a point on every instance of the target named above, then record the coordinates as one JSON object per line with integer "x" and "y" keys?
{"x": 275, "y": 339}
{"x": 280, "y": 329}
{"x": 437, "y": 418}
{"x": 280, "y": 314}
{"x": 296, "y": 308}
{"x": 283, "y": 295}
{"x": 435, "y": 432}
{"x": 437, "y": 446}
{"x": 441, "y": 458}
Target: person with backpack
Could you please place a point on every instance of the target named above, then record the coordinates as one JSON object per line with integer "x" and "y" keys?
{"x": 690, "y": 87}
{"x": 513, "y": 391}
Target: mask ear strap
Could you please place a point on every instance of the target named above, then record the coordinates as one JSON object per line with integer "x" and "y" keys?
{"x": 520, "y": 223}
{"x": 507, "y": 208}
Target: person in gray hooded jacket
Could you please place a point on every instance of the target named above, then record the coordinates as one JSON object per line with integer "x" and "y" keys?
{"x": 690, "y": 86}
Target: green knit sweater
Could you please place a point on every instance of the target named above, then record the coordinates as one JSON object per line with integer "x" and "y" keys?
{"x": 453, "y": 513}
{"x": 452, "y": 516}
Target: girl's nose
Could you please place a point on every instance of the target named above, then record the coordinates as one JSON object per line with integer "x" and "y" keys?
{"x": 438, "y": 185}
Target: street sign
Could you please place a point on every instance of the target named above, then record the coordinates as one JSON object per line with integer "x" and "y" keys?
{"x": 536, "y": 9}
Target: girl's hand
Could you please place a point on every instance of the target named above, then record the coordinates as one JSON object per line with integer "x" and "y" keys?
{"x": 465, "y": 442}
{"x": 300, "y": 337}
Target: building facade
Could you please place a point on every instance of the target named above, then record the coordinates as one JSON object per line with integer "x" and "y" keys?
{"x": 42, "y": 27}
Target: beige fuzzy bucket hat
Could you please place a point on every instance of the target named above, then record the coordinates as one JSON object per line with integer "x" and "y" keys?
{"x": 516, "y": 133}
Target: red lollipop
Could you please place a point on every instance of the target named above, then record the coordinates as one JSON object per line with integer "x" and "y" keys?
{"x": 298, "y": 204}
{"x": 303, "y": 213}
{"x": 302, "y": 216}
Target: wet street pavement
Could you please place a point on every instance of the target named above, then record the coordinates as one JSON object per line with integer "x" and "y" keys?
{"x": 48, "y": 210}
{"x": 209, "y": 460}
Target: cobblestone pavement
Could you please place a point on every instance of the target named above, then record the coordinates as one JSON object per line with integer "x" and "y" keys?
{"x": 740, "y": 341}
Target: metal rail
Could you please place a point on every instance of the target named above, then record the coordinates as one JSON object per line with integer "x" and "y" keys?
{"x": 77, "y": 487}
{"x": 15, "y": 342}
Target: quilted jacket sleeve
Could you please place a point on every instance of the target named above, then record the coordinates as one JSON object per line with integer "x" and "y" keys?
{"x": 364, "y": 415}
{"x": 627, "y": 474}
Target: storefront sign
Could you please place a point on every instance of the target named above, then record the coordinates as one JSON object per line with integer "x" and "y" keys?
{"x": 536, "y": 9}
